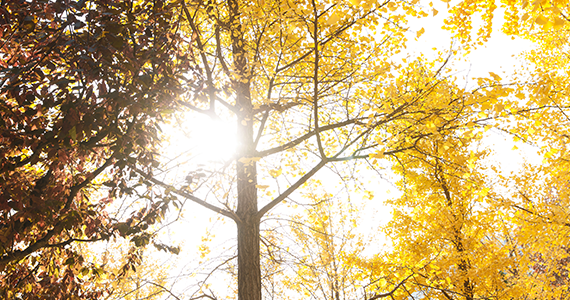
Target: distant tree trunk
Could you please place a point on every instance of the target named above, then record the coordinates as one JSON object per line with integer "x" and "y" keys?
{"x": 464, "y": 265}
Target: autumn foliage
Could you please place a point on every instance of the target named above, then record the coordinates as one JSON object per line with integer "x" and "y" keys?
{"x": 83, "y": 86}
{"x": 86, "y": 85}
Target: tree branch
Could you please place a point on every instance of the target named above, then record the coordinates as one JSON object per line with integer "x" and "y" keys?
{"x": 390, "y": 293}
{"x": 165, "y": 289}
{"x": 59, "y": 226}
{"x": 328, "y": 39}
{"x": 219, "y": 210}
{"x": 291, "y": 189}
{"x": 304, "y": 137}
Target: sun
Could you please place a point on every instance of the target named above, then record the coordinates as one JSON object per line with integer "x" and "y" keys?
{"x": 199, "y": 139}
{"x": 216, "y": 139}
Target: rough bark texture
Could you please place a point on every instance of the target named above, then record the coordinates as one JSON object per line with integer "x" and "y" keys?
{"x": 249, "y": 271}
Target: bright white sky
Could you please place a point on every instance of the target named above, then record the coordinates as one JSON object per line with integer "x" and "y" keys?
{"x": 214, "y": 140}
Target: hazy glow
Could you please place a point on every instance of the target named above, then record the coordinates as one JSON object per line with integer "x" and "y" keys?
{"x": 216, "y": 139}
{"x": 199, "y": 139}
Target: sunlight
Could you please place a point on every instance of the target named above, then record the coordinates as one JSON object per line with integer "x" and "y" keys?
{"x": 216, "y": 138}
{"x": 199, "y": 139}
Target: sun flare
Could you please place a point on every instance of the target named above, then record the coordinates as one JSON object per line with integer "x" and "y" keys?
{"x": 201, "y": 139}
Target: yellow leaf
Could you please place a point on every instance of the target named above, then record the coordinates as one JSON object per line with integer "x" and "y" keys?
{"x": 420, "y": 32}
{"x": 379, "y": 155}
{"x": 499, "y": 107}
{"x": 551, "y": 152}
{"x": 333, "y": 19}
{"x": 275, "y": 173}
{"x": 541, "y": 20}
{"x": 495, "y": 76}
{"x": 558, "y": 23}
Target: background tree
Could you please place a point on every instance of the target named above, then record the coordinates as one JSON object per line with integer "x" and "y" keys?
{"x": 83, "y": 86}
{"x": 540, "y": 193}
{"x": 319, "y": 254}
{"x": 449, "y": 232}
{"x": 147, "y": 280}
{"x": 526, "y": 253}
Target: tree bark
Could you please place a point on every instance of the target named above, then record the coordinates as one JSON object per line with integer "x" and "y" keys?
{"x": 249, "y": 271}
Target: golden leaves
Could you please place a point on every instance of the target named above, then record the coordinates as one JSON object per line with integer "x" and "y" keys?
{"x": 378, "y": 155}
{"x": 541, "y": 20}
{"x": 420, "y": 32}
{"x": 275, "y": 173}
{"x": 495, "y": 76}
{"x": 334, "y": 18}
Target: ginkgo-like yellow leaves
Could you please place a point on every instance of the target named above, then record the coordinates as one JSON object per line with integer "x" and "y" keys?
{"x": 333, "y": 18}
{"x": 378, "y": 155}
{"x": 275, "y": 173}
{"x": 541, "y": 20}
{"x": 420, "y": 32}
{"x": 495, "y": 76}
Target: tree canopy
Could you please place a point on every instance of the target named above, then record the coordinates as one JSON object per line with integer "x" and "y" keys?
{"x": 87, "y": 86}
{"x": 83, "y": 88}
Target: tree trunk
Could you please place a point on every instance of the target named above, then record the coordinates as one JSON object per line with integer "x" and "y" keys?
{"x": 464, "y": 264}
{"x": 249, "y": 272}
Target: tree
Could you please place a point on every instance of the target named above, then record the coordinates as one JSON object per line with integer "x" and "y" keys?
{"x": 292, "y": 92}
{"x": 147, "y": 280}
{"x": 498, "y": 237}
{"x": 280, "y": 60}
{"x": 83, "y": 86}
{"x": 307, "y": 84}
{"x": 447, "y": 230}
{"x": 324, "y": 248}
{"x": 540, "y": 194}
